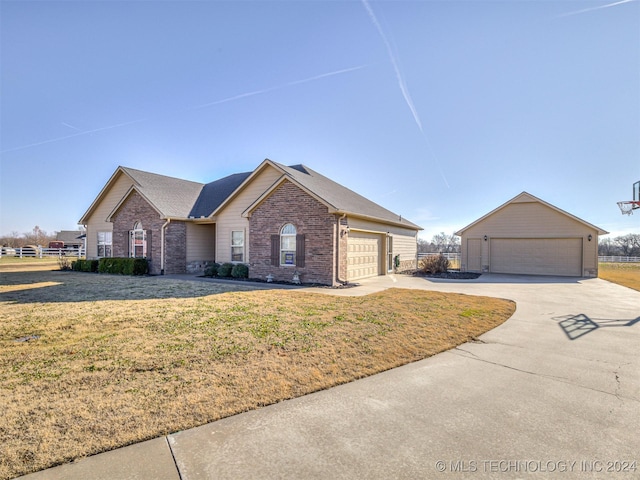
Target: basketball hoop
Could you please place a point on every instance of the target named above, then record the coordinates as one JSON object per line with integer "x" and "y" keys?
{"x": 627, "y": 208}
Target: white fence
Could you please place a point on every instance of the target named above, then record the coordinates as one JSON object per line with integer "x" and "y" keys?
{"x": 452, "y": 257}
{"x": 618, "y": 259}
{"x": 41, "y": 252}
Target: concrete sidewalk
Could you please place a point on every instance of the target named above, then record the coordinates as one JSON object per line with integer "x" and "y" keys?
{"x": 553, "y": 392}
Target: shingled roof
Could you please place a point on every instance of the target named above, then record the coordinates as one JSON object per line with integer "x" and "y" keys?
{"x": 340, "y": 198}
{"x": 213, "y": 194}
{"x": 69, "y": 236}
{"x": 172, "y": 197}
{"x": 178, "y": 198}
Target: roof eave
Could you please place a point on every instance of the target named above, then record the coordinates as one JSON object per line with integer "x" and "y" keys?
{"x": 547, "y": 204}
{"x": 85, "y": 218}
{"x": 406, "y": 224}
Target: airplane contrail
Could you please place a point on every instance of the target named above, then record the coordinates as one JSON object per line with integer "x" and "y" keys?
{"x": 401, "y": 83}
{"x": 392, "y": 57}
{"x": 85, "y": 132}
{"x": 71, "y": 127}
{"x": 591, "y": 9}
{"x": 224, "y": 100}
{"x": 271, "y": 89}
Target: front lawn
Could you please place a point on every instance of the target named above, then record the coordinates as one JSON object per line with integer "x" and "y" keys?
{"x": 627, "y": 274}
{"x": 91, "y": 362}
{"x": 16, "y": 264}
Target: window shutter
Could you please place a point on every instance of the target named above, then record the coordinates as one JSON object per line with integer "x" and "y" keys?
{"x": 130, "y": 249}
{"x": 275, "y": 250}
{"x": 300, "y": 250}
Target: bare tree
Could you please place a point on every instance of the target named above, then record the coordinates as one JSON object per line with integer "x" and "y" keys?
{"x": 606, "y": 247}
{"x": 628, "y": 245}
{"x": 37, "y": 236}
{"x": 10, "y": 240}
{"x": 446, "y": 243}
{"x": 423, "y": 246}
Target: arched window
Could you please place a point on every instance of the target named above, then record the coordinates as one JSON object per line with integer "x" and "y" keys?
{"x": 138, "y": 241}
{"x": 288, "y": 245}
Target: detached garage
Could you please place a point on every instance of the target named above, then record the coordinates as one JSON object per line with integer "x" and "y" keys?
{"x": 529, "y": 236}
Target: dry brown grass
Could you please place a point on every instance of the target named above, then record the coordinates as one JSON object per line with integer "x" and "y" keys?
{"x": 17, "y": 264}
{"x": 627, "y": 274}
{"x": 120, "y": 359}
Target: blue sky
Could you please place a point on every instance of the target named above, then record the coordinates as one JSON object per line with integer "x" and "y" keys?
{"x": 438, "y": 110}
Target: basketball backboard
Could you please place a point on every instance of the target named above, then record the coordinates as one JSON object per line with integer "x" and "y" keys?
{"x": 627, "y": 207}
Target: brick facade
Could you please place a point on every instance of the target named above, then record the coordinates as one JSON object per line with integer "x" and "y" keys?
{"x": 175, "y": 253}
{"x": 290, "y": 204}
{"x": 136, "y": 209}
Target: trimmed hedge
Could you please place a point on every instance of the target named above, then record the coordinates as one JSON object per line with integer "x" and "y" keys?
{"x": 240, "y": 270}
{"x": 82, "y": 265}
{"x": 224, "y": 270}
{"x": 211, "y": 270}
{"x": 124, "y": 266}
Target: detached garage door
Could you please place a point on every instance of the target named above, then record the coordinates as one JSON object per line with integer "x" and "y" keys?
{"x": 537, "y": 256}
{"x": 363, "y": 255}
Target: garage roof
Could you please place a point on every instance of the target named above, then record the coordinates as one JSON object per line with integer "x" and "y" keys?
{"x": 527, "y": 197}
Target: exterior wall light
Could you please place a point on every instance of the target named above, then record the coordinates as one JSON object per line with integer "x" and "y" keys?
{"x": 485, "y": 238}
{"x": 589, "y": 237}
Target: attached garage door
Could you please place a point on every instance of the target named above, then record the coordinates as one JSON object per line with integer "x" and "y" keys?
{"x": 537, "y": 256}
{"x": 363, "y": 255}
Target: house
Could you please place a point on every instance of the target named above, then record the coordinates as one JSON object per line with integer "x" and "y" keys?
{"x": 527, "y": 235}
{"x": 71, "y": 238}
{"x": 277, "y": 219}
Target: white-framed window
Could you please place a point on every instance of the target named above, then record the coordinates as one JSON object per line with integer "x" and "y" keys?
{"x": 105, "y": 244}
{"x": 237, "y": 246}
{"x": 138, "y": 242}
{"x": 288, "y": 245}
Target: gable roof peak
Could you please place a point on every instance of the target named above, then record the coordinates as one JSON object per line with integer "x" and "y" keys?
{"x": 337, "y": 197}
{"x": 526, "y": 197}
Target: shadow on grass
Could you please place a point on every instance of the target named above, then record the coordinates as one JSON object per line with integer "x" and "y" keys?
{"x": 61, "y": 287}
{"x": 576, "y": 326}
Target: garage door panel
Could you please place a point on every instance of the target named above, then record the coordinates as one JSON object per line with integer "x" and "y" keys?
{"x": 537, "y": 256}
{"x": 363, "y": 255}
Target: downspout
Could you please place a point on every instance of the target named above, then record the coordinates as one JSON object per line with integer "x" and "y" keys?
{"x": 162, "y": 237}
{"x": 338, "y": 237}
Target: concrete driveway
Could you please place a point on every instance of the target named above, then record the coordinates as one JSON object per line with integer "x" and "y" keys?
{"x": 552, "y": 393}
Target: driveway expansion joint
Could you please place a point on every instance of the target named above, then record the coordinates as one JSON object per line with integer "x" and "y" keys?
{"x": 173, "y": 456}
